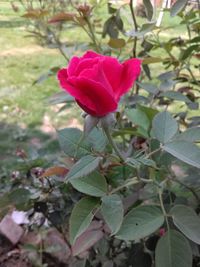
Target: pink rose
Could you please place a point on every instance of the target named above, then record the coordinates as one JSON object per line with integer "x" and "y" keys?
{"x": 97, "y": 82}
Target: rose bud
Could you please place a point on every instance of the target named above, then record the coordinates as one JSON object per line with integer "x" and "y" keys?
{"x": 97, "y": 82}
{"x": 85, "y": 10}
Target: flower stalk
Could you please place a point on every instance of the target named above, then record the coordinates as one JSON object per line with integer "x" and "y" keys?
{"x": 112, "y": 143}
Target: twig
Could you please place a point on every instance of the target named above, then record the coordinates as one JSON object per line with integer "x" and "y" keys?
{"x": 153, "y": 152}
{"x": 59, "y": 45}
{"x": 93, "y": 37}
{"x": 132, "y": 181}
{"x": 163, "y": 208}
{"x": 114, "y": 146}
{"x": 135, "y": 26}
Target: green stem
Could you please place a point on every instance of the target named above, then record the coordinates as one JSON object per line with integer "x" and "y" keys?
{"x": 114, "y": 146}
{"x": 93, "y": 37}
{"x": 136, "y": 27}
{"x": 153, "y": 152}
{"x": 59, "y": 45}
{"x": 132, "y": 181}
{"x": 163, "y": 208}
{"x": 192, "y": 75}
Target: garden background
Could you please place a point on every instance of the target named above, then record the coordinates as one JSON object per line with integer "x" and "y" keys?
{"x": 37, "y": 38}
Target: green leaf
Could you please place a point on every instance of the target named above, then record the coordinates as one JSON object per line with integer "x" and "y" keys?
{"x": 93, "y": 184}
{"x": 112, "y": 211}
{"x": 176, "y": 96}
{"x": 149, "y": 9}
{"x": 166, "y": 85}
{"x": 138, "y": 117}
{"x": 185, "y": 151}
{"x": 81, "y": 217}
{"x": 152, "y": 60}
{"x": 164, "y": 126}
{"x": 187, "y": 52}
{"x": 173, "y": 250}
{"x": 190, "y": 135}
{"x": 194, "y": 40}
{"x": 83, "y": 167}
{"x": 137, "y": 162}
{"x": 19, "y": 196}
{"x": 61, "y": 97}
{"x": 133, "y": 162}
{"x": 150, "y": 112}
{"x": 150, "y": 88}
{"x": 187, "y": 221}
{"x": 140, "y": 222}
{"x": 167, "y": 75}
{"x": 117, "y": 43}
{"x": 147, "y": 162}
{"x": 98, "y": 139}
{"x": 177, "y": 7}
{"x": 69, "y": 140}
{"x": 147, "y": 27}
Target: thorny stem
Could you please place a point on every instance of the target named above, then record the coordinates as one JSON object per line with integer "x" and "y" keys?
{"x": 92, "y": 36}
{"x": 59, "y": 46}
{"x": 192, "y": 75}
{"x": 114, "y": 146}
{"x": 163, "y": 47}
{"x": 136, "y": 27}
{"x": 188, "y": 29}
{"x": 118, "y": 152}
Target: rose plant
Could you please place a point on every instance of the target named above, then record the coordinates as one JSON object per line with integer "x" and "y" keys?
{"x": 116, "y": 183}
{"x": 125, "y": 191}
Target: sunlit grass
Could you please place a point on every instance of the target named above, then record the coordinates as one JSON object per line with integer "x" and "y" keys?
{"x": 22, "y": 104}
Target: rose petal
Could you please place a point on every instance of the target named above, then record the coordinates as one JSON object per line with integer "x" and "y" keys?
{"x": 91, "y": 54}
{"x": 73, "y": 64}
{"x": 86, "y": 109}
{"x": 63, "y": 79}
{"x": 62, "y": 76}
{"x": 130, "y": 73}
{"x": 113, "y": 71}
{"x": 97, "y": 74}
{"x": 86, "y": 64}
{"x": 92, "y": 95}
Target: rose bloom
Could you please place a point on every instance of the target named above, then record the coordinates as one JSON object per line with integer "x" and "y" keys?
{"x": 97, "y": 82}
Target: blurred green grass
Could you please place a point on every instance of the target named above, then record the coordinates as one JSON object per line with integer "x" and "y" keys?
{"x": 26, "y": 120}
{"x": 22, "y": 63}
{"x": 23, "y": 108}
